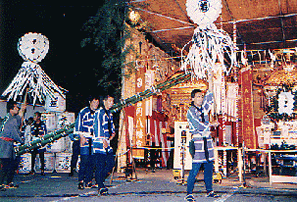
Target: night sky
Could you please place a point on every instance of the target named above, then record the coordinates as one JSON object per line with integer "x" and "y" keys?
{"x": 66, "y": 63}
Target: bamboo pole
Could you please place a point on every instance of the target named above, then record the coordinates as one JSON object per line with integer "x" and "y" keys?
{"x": 51, "y": 137}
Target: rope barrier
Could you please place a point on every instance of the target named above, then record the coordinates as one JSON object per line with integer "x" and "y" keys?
{"x": 148, "y": 148}
{"x": 270, "y": 150}
{"x": 153, "y": 148}
{"x": 124, "y": 153}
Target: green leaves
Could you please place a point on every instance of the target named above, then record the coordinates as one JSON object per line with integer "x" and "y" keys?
{"x": 106, "y": 31}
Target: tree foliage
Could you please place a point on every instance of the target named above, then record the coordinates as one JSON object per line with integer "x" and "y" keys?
{"x": 106, "y": 31}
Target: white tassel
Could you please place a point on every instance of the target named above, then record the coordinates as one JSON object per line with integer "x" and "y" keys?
{"x": 206, "y": 47}
{"x": 273, "y": 58}
{"x": 32, "y": 76}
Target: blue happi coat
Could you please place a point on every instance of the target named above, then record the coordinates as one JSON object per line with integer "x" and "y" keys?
{"x": 103, "y": 129}
{"x": 200, "y": 129}
{"x": 84, "y": 127}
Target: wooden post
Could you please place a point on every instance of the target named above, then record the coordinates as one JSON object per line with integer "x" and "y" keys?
{"x": 265, "y": 163}
{"x": 239, "y": 164}
{"x": 216, "y": 164}
{"x": 269, "y": 167}
{"x": 225, "y": 162}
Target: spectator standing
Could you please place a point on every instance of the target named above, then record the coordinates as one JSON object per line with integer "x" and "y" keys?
{"x": 38, "y": 130}
{"x": 9, "y": 133}
{"x": 75, "y": 152}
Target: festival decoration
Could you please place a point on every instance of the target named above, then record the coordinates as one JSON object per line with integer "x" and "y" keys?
{"x": 209, "y": 45}
{"x": 282, "y": 77}
{"x": 33, "y": 47}
{"x": 203, "y": 12}
{"x": 247, "y": 115}
{"x": 283, "y": 103}
{"x": 140, "y": 115}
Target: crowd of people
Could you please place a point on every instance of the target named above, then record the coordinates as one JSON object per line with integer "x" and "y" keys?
{"x": 94, "y": 129}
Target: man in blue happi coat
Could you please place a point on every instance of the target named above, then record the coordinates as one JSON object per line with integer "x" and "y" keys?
{"x": 104, "y": 132}
{"x": 84, "y": 128}
{"x": 201, "y": 145}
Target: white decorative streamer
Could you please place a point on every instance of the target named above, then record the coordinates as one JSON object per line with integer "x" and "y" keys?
{"x": 33, "y": 77}
{"x": 208, "y": 46}
{"x": 244, "y": 60}
{"x": 232, "y": 92}
{"x": 273, "y": 58}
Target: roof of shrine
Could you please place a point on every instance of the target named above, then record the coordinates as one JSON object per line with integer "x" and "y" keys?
{"x": 260, "y": 24}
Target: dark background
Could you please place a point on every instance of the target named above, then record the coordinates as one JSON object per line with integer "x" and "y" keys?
{"x": 66, "y": 63}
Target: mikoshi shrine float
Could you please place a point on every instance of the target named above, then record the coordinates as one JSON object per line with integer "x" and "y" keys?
{"x": 254, "y": 89}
